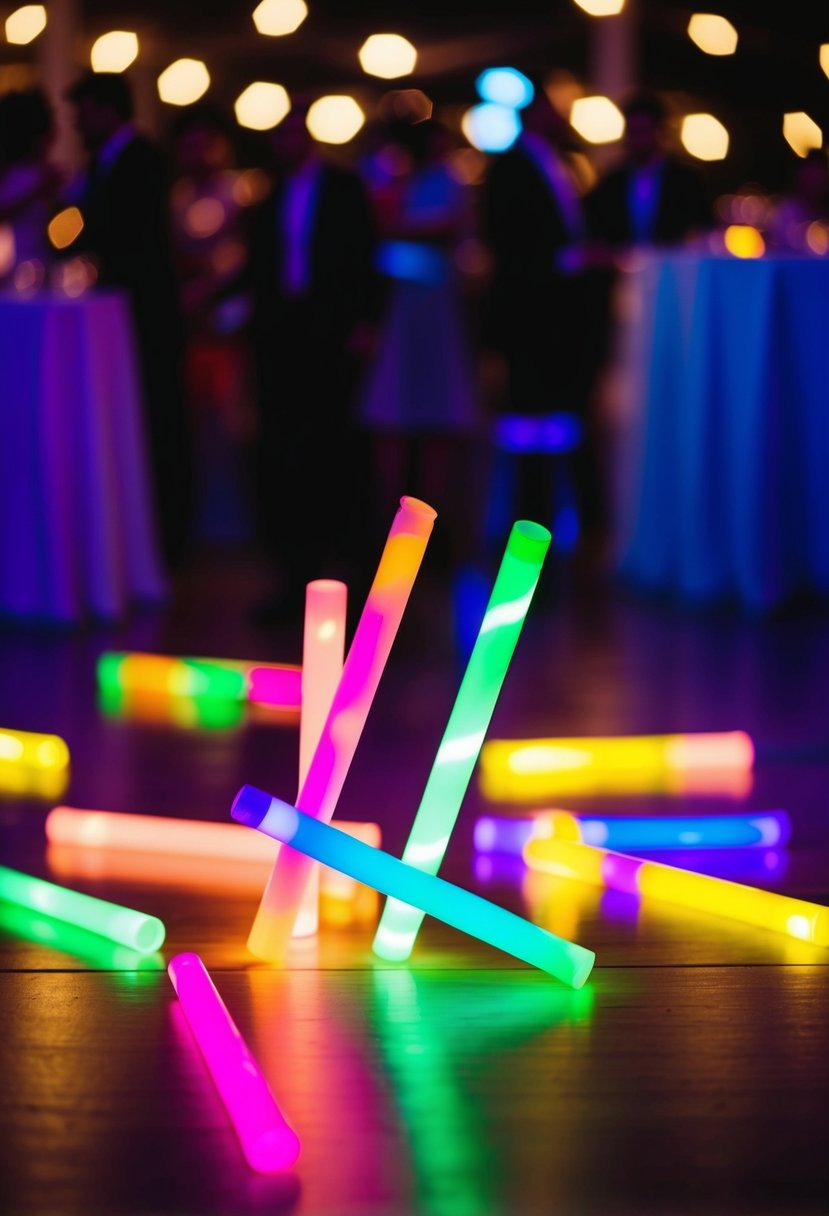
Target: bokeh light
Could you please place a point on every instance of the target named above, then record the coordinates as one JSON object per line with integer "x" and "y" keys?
{"x": 601, "y": 8}
{"x": 743, "y": 241}
{"x": 278, "y": 17}
{"x": 261, "y": 106}
{"x": 24, "y": 24}
{"x": 65, "y": 227}
{"x": 712, "y": 34}
{"x": 411, "y": 104}
{"x": 335, "y": 118}
{"x": 597, "y": 119}
{"x": 801, "y": 132}
{"x": 490, "y": 127}
{"x": 824, "y": 57}
{"x": 704, "y": 137}
{"x": 387, "y": 56}
{"x": 204, "y": 218}
{"x": 183, "y": 82}
{"x": 114, "y": 52}
{"x": 817, "y": 238}
{"x": 505, "y": 87}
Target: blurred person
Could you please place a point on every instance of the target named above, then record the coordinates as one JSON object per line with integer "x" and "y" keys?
{"x": 210, "y": 251}
{"x": 311, "y": 280}
{"x": 806, "y": 204}
{"x": 123, "y": 198}
{"x": 419, "y": 400}
{"x": 28, "y": 182}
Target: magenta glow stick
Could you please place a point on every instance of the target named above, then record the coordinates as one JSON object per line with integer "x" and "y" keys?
{"x": 367, "y": 655}
{"x": 269, "y": 1143}
{"x": 278, "y": 687}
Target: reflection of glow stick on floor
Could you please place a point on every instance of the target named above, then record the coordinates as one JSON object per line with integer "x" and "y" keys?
{"x": 124, "y": 925}
{"x": 323, "y": 647}
{"x": 470, "y": 913}
{"x": 757, "y": 829}
{"x": 471, "y": 714}
{"x": 267, "y": 1140}
{"x": 524, "y": 769}
{"x": 367, "y": 655}
{"x": 796, "y": 917}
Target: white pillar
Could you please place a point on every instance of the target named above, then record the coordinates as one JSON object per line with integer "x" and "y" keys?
{"x": 614, "y": 53}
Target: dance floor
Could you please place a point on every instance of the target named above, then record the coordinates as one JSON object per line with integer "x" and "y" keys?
{"x": 691, "y": 1074}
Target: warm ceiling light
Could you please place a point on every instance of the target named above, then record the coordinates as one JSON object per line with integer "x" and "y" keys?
{"x": 114, "y": 52}
{"x": 490, "y": 127}
{"x": 24, "y": 24}
{"x": 712, "y": 34}
{"x": 183, "y": 82}
{"x": 388, "y": 56}
{"x": 334, "y": 119}
{"x": 261, "y": 106}
{"x": 704, "y": 137}
{"x": 824, "y": 57}
{"x": 277, "y": 17}
{"x": 801, "y": 132}
{"x": 65, "y": 227}
{"x": 597, "y": 119}
{"x": 601, "y": 8}
{"x": 743, "y": 241}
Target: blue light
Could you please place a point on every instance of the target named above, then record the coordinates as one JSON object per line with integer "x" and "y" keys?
{"x": 505, "y": 87}
{"x": 491, "y": 128}
{"x": 546, "y": 434}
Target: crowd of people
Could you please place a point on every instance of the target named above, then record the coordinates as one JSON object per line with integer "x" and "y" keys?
{"x": 316, "y": 331}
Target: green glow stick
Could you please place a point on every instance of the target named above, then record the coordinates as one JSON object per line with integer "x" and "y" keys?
{"x": 466, "y": 728}
{"x": 124, "y": 925}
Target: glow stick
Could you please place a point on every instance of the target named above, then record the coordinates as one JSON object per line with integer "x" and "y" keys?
{"x": 361, "y": 674}
{"x": 280, "y": 688}
{"x": 103, "y": 954}
{"x": 536, "y": 768}
{"x": 323, "y": 647}
{"x": 25, "y": 749}
{"x": 269, "y": 1143}
{"x": 226, "y": 679}
{"x": 757, "y": 829}
{"x": 470, "y": 913}
{"x": 189, "y": 713}
{"x": 795, "y": 917}
{"x": 471, "y": 714}
{"x": 124, "y": 925}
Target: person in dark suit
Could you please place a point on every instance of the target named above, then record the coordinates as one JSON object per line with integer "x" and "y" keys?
{"x": 311, "y": 279}
{"x": 124, "y": 203}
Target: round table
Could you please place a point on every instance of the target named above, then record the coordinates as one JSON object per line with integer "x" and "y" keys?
{"x": 77, "y": 534}
{"x": 722, "y": 459}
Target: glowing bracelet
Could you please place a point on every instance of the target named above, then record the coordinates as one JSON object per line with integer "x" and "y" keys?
{"x": 471, "y": 714}
{"x": 226, "y": 679}
{"x": 537, "y": 768}
{"x": 367, "y": 655}
{"x": 269, "y": 1143}
{"x": 796, "y": 917}
{"x": 470, "y": 913}
{"x": 758, "y": 829}
{"x": 123, "y": 925}
{"x": 22, "y": 749}
{"x": 323, "y": 648}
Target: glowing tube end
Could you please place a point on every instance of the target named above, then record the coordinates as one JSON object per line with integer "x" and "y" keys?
{"x": 274, "y": 1152}
{"x": 150, "y": 935}
{"x": 529, "y": 541}
{"x": 582, "y": 966}
{"x": 419, "y": 516}
{"x": 250, "y": 806}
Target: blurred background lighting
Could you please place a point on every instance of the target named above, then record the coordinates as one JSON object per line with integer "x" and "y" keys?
{"x": 261, "y": 106}
{"x": 712, "y": 34}
{"x": 114, "y": 52}
{"x": 824, "y": 57}
{"x": 183, "y": 82}
{"x": 601, "y": 8}
{"x": 411, "y": 104}
{"x": 65, "y": 227}
{"x": 817, "y": 238}
{"x": 388, "y": 56}
{"x": 277, "y": 17}
{"x": 335, "y": 119}
{"x": 505, "y": 87}
{"x": 490, "y": 127}
{"x": 743, "y": 241}
{"x": 704, "y": 137}
{"x": 597, "y": 119}
{"x": 801, "y": 132}
{"x": 24, "y": 24}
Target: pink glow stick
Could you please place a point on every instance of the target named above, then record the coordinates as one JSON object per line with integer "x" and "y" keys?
{"x": 279, "y": 687}
{"x": 269, "y": 1143}
{"x": 323, "y": 647}
{"x": 367, "y": 655}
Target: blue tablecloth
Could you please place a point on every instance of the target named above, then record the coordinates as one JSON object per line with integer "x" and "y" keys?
{"x": 725, "y": 484}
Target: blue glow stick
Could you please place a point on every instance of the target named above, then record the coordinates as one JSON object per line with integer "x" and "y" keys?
{"x": 470, "y": 913}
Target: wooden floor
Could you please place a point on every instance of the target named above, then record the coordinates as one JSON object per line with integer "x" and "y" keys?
{"x": 690, "y": 1076}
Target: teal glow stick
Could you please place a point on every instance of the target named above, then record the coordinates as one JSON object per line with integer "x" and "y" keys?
{"x": 470, "y": 913}
{"x": 124, "y": 925}
{"x": 471, "y": 714}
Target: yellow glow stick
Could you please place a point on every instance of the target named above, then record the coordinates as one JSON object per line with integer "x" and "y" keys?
{"x": 361, "y": 674}
{"x": 795, "y": 917}
{"x": 32, "y": 763}
{"x": 528, "y": 769}
{"x": 323, "y": 647}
